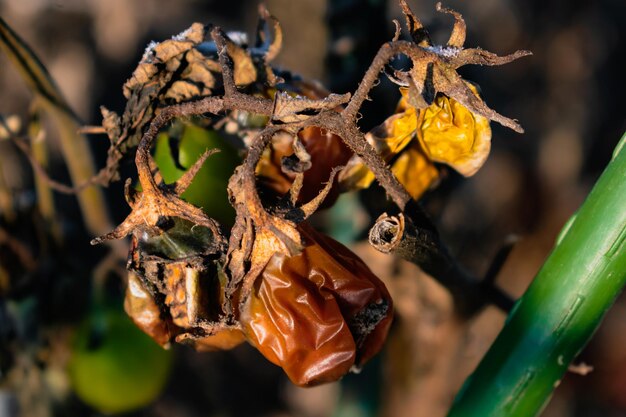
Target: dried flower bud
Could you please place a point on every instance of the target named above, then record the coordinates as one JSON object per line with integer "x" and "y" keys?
{"x": 319, "y": 313}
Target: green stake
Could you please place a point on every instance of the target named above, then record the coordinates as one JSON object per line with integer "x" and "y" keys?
{"x": 561, "y": 309}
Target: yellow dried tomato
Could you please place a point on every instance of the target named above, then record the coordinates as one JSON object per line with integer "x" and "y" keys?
{"x": 413, "y": 140}
{"x": 449, "y": 133}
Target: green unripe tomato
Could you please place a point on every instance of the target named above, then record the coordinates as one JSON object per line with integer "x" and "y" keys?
{"x": 115, "y": 367}
{"x": 209, "y": 188}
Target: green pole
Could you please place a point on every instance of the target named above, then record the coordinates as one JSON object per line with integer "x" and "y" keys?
{"x": 561, "y": 309}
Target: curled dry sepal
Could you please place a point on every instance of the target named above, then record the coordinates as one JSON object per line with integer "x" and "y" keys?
{"x": 306, "y": 302}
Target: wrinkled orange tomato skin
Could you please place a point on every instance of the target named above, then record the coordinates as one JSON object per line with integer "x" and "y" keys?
{"x": 318, "y": 313}
{"x": 222, "y": 340}
{"x": 144, "y": 312}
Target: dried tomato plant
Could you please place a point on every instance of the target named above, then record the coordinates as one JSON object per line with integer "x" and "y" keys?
{"x": 306, "y": 302}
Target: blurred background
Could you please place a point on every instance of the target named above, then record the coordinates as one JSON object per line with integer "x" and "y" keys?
{"x": 567, "y": 96}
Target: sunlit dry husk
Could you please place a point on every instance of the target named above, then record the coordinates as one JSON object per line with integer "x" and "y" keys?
{"x": 319, "y": 313}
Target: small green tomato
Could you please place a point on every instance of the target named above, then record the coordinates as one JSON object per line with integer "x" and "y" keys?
{"x": 209, "y": 188}
{"x": 115, "y": 367}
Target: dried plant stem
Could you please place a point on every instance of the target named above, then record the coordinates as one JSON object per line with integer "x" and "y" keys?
{"x": 399, "y": 236}
{"x": 45, "y": 199}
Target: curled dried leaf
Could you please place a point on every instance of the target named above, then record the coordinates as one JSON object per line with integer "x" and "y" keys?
{"x": 269, "y": 43}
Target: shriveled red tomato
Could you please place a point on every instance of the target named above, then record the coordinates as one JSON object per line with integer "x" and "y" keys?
{"x": 326, "y": 149}
{"x": 319, "y": 313}
{"x": 327, "y": 152}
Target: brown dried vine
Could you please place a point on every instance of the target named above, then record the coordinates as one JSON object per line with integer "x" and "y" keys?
{"x": 260, "y": 232}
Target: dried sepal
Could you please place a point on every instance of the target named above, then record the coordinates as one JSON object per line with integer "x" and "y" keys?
{"x": 450, "y": 83}
{"x": 434, "y": 68}
{"x": 157, "y": 202}
{"x": 257, "y": 235}
{"x": 418, "y": 32}
{"x": 457, "y": 37}
{"x": 397, "y": 31}
{"x": 271, "y": 44}
{"x": 477, "y": 56}
{"x": 181, "y": 185}
{"x": 244, "y": 70}
{"x": 288, "y": 108}
{"x": 307, "y": 209}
